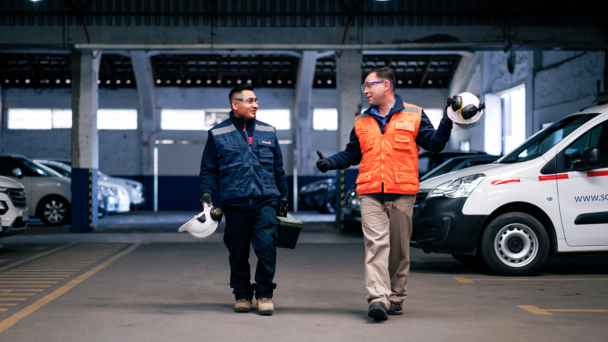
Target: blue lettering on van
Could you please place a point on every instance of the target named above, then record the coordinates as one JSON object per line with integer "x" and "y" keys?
{"x": 591, "y": 198}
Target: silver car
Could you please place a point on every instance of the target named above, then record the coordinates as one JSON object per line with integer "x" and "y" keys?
{"x": 114, "y": 197}
{"x": 49, "y": 193}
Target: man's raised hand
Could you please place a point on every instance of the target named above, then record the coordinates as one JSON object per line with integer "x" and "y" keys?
{"x": 323, "y": 163}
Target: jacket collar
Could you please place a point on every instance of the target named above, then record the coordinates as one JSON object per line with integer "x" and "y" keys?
{"x": 398, "y": 107}
{"x": 240, "y": 121}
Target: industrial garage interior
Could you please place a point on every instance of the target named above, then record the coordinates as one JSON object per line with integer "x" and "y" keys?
{"x": 132, "y": 89}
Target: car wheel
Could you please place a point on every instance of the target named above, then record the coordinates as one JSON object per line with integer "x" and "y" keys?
{"x": 470, "y": 260}
{"x": 54, "y": 211}
{"x": 515, "y": 244}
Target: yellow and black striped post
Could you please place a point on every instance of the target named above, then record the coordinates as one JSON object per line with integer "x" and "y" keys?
{"x": 341, "y": 201}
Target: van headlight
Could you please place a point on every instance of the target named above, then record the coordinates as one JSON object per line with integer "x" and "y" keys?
{"x": 457, "y": 188}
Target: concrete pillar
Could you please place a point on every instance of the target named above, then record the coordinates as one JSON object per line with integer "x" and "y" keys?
{"x": 349, "y": 94}
{"x": 85, "y": 141}
{"x": 306, "y": 75}
{"x": 146, "y": 122}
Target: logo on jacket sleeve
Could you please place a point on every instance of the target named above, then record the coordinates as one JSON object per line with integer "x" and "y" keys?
{"x": 266, "y": 142}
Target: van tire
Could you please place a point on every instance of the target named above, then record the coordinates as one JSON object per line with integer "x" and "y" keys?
{"x": 61, "y": 207}
{"x": 515, "y": 244}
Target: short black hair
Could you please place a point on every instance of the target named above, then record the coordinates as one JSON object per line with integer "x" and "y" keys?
{"x": 386, "y": 74}
{"x": 239, "y": 89}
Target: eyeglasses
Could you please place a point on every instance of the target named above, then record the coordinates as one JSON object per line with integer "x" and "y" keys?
{"x": 369, "y": 85}
{"x": 249, "y": 100}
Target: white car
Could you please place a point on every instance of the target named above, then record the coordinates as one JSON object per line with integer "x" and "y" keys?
{"x": 14, "y": 214}
{"x": 115, "y": 197}
{"x": 48, "y": 192}
{"x": 548, "y": 196}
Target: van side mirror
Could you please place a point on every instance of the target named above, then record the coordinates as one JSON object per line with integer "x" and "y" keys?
{"x": 17, "y": 173}
{"x": 590, "y": 159}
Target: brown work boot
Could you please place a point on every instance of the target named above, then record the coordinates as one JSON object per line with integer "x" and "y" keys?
{"x": 396, "y": 308}
{"x": 242, "y": 305}
{"x": 265, "y": 306}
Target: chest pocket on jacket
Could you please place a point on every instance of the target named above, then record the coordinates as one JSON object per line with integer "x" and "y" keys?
{"x": 402, "y": 142}
{"x": 265, "y": 149}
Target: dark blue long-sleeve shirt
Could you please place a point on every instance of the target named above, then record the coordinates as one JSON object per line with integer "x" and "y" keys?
{"x": 428, "y": 138}
{"x": 209, "y": 173}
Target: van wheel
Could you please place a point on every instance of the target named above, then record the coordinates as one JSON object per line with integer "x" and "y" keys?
{"x": 54, "y": 211}
{"x": 515, "y": 244}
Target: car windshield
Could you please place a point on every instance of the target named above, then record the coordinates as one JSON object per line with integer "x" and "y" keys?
{"x": 544, "y": 140}
{"x": 446, "y": 167}
{"x": 39, "y": 169}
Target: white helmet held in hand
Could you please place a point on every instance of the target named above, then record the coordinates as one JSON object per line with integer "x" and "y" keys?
{"x": 465, "y": 109}
{"x": 204, "y": 223}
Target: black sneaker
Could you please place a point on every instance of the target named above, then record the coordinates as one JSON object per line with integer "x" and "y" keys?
{"x": 396, "y": 308}
{"x": 377, "y": 310}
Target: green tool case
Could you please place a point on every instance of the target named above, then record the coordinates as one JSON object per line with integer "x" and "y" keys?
{"x": 289, "y": 230}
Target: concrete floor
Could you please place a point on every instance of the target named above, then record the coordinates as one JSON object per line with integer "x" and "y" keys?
{"x": 163, "y": 290}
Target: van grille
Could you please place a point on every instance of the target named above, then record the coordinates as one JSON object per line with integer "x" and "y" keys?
{"x": 18, "y": 198}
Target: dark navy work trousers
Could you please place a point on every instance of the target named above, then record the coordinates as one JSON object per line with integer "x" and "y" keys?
{"x": 257, "y": 228}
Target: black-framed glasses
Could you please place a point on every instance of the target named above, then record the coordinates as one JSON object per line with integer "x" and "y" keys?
{"x": 247, "y": 100}
{"x": 370, "y": 84}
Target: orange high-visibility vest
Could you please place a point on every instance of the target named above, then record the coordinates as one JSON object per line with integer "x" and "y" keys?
{"x": 390, "y": 160}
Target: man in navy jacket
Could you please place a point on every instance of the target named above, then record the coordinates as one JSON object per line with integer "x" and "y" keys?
{"x": 242, "y": 157}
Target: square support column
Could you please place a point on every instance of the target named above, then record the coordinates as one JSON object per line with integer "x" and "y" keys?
{"x": 349, "y": 94}
{"x": 349, "y": 106}
{"x": 85, "y": 140}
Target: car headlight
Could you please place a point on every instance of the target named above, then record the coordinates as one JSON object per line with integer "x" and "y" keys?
{"x": 458, "y": 188}
{"x": 5, "y": 190}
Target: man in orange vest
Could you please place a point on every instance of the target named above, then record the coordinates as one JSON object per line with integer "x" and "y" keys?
{"x": 385, "y": 141}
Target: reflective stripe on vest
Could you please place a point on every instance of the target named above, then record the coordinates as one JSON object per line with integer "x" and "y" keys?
{"x": 390, "y": 161}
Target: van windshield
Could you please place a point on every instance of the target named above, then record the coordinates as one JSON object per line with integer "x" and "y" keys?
{"x": 546, "y": 139}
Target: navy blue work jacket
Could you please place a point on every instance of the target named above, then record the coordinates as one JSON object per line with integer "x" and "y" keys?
{"x": 248, "y": 175}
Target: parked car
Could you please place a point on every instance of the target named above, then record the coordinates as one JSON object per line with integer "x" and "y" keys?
{"x": 319, "y": 195}
{"x": 548, "y": 196}
{"x": 428, "y": 161}
{"x": 351, "y": 211}
{"x": 134, "y": 188}
{"x": 114, "y": 197}
{"x": 49, "y": 193}
{"x": 14, "y": 213}
{"x": 459, "y": 163}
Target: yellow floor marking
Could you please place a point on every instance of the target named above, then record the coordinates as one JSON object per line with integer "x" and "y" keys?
{"x": 9, "y": 304}
{"x": 34, "y": 257}
{"x": 27, "y": 282}
{"x": 471, "y": 281}
{"x": 17, "y": 294}
{"x": 12, "y": 290}
{"x": 24, "y": 286}
{"x": 13, "y": 298}
{"x": 33, "y": 278}
{"x": 1, "y": 309}
{"x": 7, "y": 323}
{"x": 547, "y": 312}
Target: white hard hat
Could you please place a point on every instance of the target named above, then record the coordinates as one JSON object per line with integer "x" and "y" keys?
{"x": 202, "y": 225}
{"x": 465, "y": 109}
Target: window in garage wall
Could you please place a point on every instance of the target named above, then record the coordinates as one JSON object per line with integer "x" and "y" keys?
{"x": 325, "y": 119}
{"x": 182, "y": 119}
{"x": 435, "y": 115}
{"x": 115, "y": 119}
{"x": 279, "y": 118}
{"x": 514, "y": 118}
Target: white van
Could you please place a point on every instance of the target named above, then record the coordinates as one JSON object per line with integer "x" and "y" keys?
{"x": 14, "y": 214}
{"x": 549, "y": 195}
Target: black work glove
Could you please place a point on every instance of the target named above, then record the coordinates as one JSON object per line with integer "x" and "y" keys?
{"x": 323, "y": 163}
{"x": 282, "y": 207}
{"x": 206, "y": 198}
{"x": 446, "y": 119}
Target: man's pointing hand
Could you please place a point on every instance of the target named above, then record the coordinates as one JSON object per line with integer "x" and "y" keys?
{"x": 323, "y": 164}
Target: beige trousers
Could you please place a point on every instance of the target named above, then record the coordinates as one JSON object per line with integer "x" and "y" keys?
{"x": 387, "y": 228}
